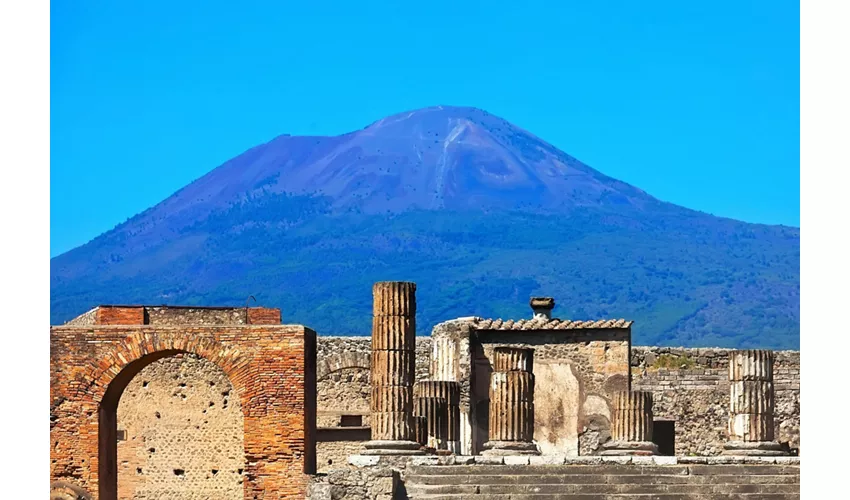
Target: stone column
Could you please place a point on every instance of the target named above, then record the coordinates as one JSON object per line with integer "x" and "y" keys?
{"x": 451, "y": 359}
{"x": 393, "y": 369}
{"x": 434, "y": 411}
{"x": 511, "y": 425}
{"x": 450, "y": 393}
{"x": 631, "y": 426}
{"x": 420, "y": 428}
{"x": 751, "y": 404}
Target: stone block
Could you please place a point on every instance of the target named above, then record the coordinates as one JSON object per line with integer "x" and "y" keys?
{"x": 583, "y": 460}
{"x": 427, "y": 460}
{"x": 457, "y": 460}
{"x": 617, "y": 459}
{"x": 492, "y": 460}
{"x": 546, "y": 460}
{"x": 659, "y": 460}
{"x": 516, "y": 460}
{"x": 363, "y": 460}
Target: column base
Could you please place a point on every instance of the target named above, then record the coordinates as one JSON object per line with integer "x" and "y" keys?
{"x": 392, "y": 448}
{"x": 753, "y": 449}
{"x": 629, "y": 448}
{"x": 509, "y": 448}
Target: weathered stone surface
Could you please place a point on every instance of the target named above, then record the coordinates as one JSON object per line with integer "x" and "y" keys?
{"x": 511, "y": 406}
{"x": 632, "y": 416}
{"x": 516, "y": 460}
{"x": 449, "y": 392}
{"x": 546, "y": 460}
{"x": 751, "y": 404}
{"x": 436, "y": 418}
{"x": 372, "y": 483}
{"x": 394, "y": 298}
{"x": 363, "y": 460}
{"x": 393, "y": 361}
{"x": 183, "y": 399}
{"x": 695, "y": 393}
{"x": 574, "y": 370}
{"x": 508, "y": 359}
{"x": 420, "y": 424}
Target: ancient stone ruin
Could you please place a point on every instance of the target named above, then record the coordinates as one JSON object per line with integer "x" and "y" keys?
{"x": 227, "y": 403}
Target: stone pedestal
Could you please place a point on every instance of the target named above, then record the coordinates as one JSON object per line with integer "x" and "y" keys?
{"x": 393, "y": 365}
{"x": 511, "y": 425}
{"x": 631, "y": 425}
{"x": 449, "y": 392}
{"x": 751, "y": 405}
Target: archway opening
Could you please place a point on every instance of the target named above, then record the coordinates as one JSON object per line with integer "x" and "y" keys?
{"x": 171, "y": 423}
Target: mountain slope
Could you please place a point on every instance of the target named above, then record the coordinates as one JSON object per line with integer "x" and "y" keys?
{"x": 480, "y": 213}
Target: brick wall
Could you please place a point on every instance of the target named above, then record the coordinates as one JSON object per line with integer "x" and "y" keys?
{"x": 108, "y": 315}
{"x": 177, "y": 315}
{"x": 91, "y": 366}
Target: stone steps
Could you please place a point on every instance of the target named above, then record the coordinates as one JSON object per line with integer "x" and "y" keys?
{"x": 578, "y": 479}
{"x": 673, "y": 496}
{"x": 550, "y": 482}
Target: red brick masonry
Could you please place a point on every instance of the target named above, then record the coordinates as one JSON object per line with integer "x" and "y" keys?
{"x": 272, "y": 368}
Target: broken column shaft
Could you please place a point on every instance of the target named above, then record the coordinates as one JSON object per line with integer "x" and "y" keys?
{"x": 449, "y": 392}
{"x": 631, "y": 425}
{"x": 393, "y": 364}
{"x": 434, "y": 411}
{"x": 511, "y": 424}
{"x": 751, "y": 405}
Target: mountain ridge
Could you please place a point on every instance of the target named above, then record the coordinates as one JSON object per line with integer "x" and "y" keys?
{"x": 403, "y": 188}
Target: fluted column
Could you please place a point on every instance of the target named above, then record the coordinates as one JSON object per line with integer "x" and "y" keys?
{"x": 393, "y": 369}
{"x": 449, "y": 392}
{"x": 420, "y": 428}
{"x": 631, "y": 425}
{"x": 434, "y": 411}
{"x": 751, "y": 404}
{"x": 444, "y": 358}
{"x": 511, "y": 424}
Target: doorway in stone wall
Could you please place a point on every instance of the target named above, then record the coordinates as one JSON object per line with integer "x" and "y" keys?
{"x": 664, "y": 435}
{"x": 179, "y": 432}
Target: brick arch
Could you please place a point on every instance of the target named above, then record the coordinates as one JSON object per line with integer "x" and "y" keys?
{"x": 271, "y": 368}
{"x": 342, "y": 361}
{"x": 138, "y": 350}
{"x": 122, "y": 362}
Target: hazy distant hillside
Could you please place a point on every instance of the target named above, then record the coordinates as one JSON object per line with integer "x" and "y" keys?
{"x": 479, "y": 213}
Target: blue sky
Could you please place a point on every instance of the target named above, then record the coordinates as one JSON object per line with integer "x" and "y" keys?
{"x": 696, "y": 103}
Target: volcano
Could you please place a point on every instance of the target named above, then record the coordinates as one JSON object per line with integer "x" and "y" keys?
{"x": 480, "y": 213}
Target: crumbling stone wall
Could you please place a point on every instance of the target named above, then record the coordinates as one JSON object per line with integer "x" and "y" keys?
{"x": 363, "y": 483}
{"x": 691, "y": 387}
{"x": 335, "y": 444}
{"x": 576, "y": 373}
{"x": 183, "y": 433}
{"x": 343, "y": 376}
{"x": 271, "y": 369}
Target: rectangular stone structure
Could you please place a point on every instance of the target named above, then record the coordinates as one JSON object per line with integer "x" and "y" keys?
{"x": 511, "y": 421}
